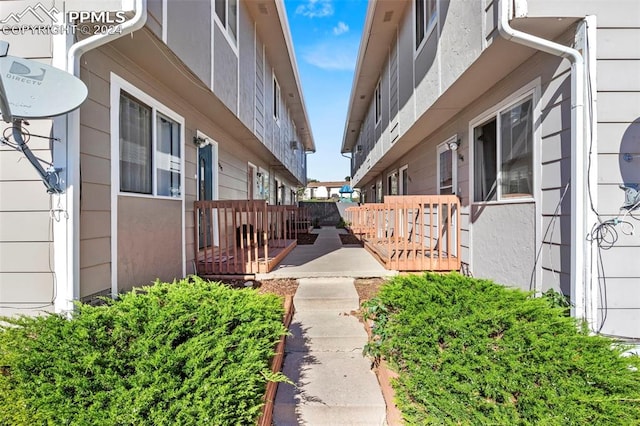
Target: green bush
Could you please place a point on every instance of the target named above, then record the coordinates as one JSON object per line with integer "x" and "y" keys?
{"x": 470, "y": 351}
{"x": 182, "y": 353}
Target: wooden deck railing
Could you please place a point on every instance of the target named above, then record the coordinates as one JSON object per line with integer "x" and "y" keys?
{"x": 239, "y": 237}
{"x": 410, "y": 232}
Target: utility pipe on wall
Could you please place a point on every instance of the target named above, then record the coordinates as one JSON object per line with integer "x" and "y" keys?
{"x": 68, "y": 262}
{"x": 578, "y": 183}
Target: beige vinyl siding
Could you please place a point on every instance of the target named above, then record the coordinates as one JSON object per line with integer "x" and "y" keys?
{"x": 26, "y": 229}
{"x": 27, "y": 278}
{"x": 95, "y": 199}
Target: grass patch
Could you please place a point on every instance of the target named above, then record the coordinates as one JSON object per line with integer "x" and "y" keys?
{"x": 190, "y": 352}
{"x": 470, "y": 351}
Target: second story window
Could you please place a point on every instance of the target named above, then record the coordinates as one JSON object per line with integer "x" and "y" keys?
{"x": 276, "y": 100}
{"x": 227, "y": 13}
{"x": 425, "y": 16}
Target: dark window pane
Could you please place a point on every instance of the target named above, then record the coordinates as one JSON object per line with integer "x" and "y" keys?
{"x": 485, "y": 161}
{"x": 135, "y": 146}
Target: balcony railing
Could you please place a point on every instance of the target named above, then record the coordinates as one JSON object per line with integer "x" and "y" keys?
{"x": 410, "y": 232}
{"x": 241, "y": 237}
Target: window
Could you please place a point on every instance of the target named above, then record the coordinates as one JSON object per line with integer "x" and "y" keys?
{"x": 392, "y": 183}
{"x": 168, "y": 157}
{"x": 378, "y": 103}
{"x": 276, "y": 100}
{"x": 503, "y": 154}
{"x": 404, "y": 180}
{"x": 227, "y": 12}
{"x": 425, "y": 16}
{"x": 149, "y": 164}
{"x": 135, "y": 146}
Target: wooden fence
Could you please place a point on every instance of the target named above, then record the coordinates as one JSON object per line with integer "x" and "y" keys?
{"x": 239, "y": 237}
{"x": 410, "y": 232}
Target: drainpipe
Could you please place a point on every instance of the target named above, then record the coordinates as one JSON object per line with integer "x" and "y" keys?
{"x": 578, "y": 182}
{"x": 68, "y": 262}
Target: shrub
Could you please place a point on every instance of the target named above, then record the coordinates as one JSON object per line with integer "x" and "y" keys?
{"x": 470, "y": 351}
{"x": 182, "y": 353}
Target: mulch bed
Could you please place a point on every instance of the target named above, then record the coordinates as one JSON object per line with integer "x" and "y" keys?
{"x": 307, "y": 238}
{"x": 350, "y": 239}
{"x": 367, "y": 288}
{"x": 281, "y": 287}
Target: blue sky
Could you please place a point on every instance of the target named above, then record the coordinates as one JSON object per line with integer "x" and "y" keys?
{"x": 326, "y": 35}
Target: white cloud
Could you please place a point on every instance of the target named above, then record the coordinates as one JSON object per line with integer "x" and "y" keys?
{"x": 341, "y": 28}
{"x": 333, "y": 56}
{"x": 315, "y": 9}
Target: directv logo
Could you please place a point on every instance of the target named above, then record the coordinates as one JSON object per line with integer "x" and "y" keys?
{"x": 23, "y": 74}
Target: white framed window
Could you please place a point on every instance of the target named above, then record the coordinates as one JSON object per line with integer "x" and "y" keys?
{"x": 403, "y": 181}
{"x": 150, "y": 144}
{"x": 447, "y": 168}
{"x": 392, "y": 183}
{"x": 264, "y": 192}
{"x": 379, "y": 190}
{"x": 378, "y": 103}
{"x": 276, "y": 100}
{"x": 425, "y": 14}
{"x": 503, "y": 153}
{"x": 227, "y": 14}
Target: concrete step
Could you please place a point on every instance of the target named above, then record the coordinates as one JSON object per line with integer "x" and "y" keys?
{"x": 325, "y": 331}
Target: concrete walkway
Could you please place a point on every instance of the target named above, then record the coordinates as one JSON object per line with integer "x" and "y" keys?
{"x": 334, "y": 384}
{"x": 328, "y": 257}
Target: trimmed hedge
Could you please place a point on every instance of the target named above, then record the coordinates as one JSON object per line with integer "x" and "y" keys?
{"x": 470, "y": 351}
{"x": 190, "y": 352}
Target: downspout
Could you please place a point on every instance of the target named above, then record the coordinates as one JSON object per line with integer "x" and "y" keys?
{"x": 72, "y": 129}
{"x": 578, "y": 182}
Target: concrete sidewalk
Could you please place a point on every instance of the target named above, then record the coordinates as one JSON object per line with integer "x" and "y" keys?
{"x": 328, "y": 257}
{"x": 334, "y": 383}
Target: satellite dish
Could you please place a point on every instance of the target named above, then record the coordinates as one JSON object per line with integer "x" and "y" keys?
{"x": 36, "y": 90}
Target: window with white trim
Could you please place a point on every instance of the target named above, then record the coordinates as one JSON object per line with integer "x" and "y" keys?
{"x": 276, "y": 100}
{"x": 378, "y": 103}
{"x": 227, "y": 13}
{"x": 150, "y": 163}
{"x": 503, "y": 154}
{"x": 425, "y": 13}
